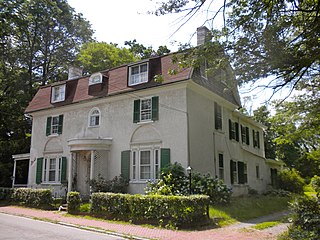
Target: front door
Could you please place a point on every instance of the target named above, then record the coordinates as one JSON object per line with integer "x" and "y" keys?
{"x": 83, "y": 173}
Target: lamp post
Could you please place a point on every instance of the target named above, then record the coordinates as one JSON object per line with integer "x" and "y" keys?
{"x": 189, "y": 169}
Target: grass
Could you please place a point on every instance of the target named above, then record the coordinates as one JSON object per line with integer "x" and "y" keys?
{"x": 264, "y": 225}
{"x": 246, "y": 208}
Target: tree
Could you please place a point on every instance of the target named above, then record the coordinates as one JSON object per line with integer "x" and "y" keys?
{"x": 262, "y": 115}
{"x": 278, "y": 39}
{"x": 143, "y": 52}
{"x": 38, "y": 40}
{"x": 97, "y": 56}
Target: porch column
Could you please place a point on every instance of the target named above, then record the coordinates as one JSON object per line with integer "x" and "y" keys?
{"x": 92, "y": 164}
{"x": 14, "y": 172}
{"x": 70, "y": 172}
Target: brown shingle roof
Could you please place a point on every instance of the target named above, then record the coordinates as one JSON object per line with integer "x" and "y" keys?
{"x": 115, "y": 82}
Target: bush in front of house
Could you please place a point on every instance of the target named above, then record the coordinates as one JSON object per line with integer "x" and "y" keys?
{"x": 173, "y": 181}
{"x": 41, "y": 198}
{"x": 74, "y": 201}
{"x": 306, "y": 220}
{"x": 156, "y": 209}
{"x": 117, "y": 185}
{"x": 290, "y": 180}
{"x": 6, "y": 193}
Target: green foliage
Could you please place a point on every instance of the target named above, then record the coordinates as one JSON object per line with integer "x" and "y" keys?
{"x": 157, "y": 209}
{"x": 85, "y": 207}
{"x": 315, "y": 183}
{"x": 40, "y": 198}
{"x": 174, "y": 182}
{"x": 74, "y": 202}
{"x": 6, "y": 193}
{"x": 278, "y": 192}
{"x": 98, "y": 56}
{"x": 117, "y": 185}
{"x": 142, "y": 52}
{"x": 290, "y": 180}
{"x": 306, "y": 221}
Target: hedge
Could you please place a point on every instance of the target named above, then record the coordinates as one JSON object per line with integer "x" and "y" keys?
{"x": 74, "y": 202}
{"x": 6, "y": 193}
{"x": 157, "y": 209}
{"x": 41, "y": 198}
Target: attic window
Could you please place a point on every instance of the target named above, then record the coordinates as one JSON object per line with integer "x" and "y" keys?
{"x": 58, "y": 93}
{"x": 138, "y": 74}
{"x": 95, "y": 78}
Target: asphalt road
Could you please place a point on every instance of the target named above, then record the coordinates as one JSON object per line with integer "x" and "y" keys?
{"x": 14, "y": 227}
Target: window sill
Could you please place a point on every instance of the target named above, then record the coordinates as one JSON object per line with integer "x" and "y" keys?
{"x": 51, "y": 183}
{"x": 53, "y": 135}
{"x": 145, "y": 122}
{"x": 141, "y": 181}
{"x": 97, "y": 126}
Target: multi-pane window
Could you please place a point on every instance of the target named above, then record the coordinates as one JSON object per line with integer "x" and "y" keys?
{"x": 94, "y": 117}
{"x": 54, "y": 125}
{"x": 138, "y": 74}
{"x": 95, "y": 78}
{"x": 238, "y": 172}
{"x": 217, "y": 116}
{"x": 146, "y": 108}
{"x": 52, "y": 170}
{"x": 58, "y": 93}
{"x": 233, "y": 130}
{"x": 245, "y": 135}
{"x": 221, "y": 166}
{"x": 256, "y": 138}
{"x": 145, "y": 164}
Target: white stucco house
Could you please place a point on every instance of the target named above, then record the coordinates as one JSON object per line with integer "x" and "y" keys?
{"x": 120, "y": 121}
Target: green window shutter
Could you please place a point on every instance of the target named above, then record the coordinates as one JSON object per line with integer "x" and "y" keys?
{"x": 64, "y": 170}
{"x": 241, "y": 177}
{"x": 231, "y": 171}
{"x": 48, "y": 128}
{"x": 247, "y": 136}
{"x": 136, "y": 111}
{"x": 237, "y": 131}
{"x": 39, "y": 170}
{"x": 164, "y": 157}
{"x": 125, "y": 164}
{"x": 60, "y": 124}
{"x": 155, "y": 108}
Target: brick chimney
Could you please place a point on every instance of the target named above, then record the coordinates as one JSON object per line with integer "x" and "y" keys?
{"x": 74, "y": 72}
{"x": 203, "y": 35}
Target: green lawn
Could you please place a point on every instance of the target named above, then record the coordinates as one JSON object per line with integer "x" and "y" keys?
{"x": 246, "y": 208}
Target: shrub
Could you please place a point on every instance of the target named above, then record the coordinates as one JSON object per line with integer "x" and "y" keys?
{"x": 278, "y": 192}
{"x": 174, "y": 182}
{"x": 315, "y": 183}
{"x": 74, "y": 202}
{"x": 33, "y": 197}
{"x": 306, "y": 221}
{"x": 157, "y": 209}
{"x": 6, "y": 193}
{"x": 117, "y": 185}
{"x": 290, "y": 180}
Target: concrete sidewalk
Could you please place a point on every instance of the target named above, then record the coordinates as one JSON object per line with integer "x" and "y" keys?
{"x": 140, "y": 232}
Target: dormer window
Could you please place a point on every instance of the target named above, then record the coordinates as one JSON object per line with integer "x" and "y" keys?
{"x": 58, "y": 93}
{"x": 95, "y": 78}
{"x": 138, "y": 74}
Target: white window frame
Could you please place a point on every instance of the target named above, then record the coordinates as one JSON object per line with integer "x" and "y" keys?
{"x": 47, "y": 169}
{"x": 140, "y": 77}
{"x": 58, "y": 93}
{"x": 95, "y": 78}
{"x": 146, "y": 114}
{"x": 136, "y": 165}
{"x": 54, "y": 127}
{"x": 93, "y": 115}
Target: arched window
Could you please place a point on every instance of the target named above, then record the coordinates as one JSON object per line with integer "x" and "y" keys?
{"x": 94, "y": 117}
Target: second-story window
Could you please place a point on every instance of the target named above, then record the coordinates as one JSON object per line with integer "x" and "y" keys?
{"x": 233, "y": 130}
{"x": 217, "y": 116}
{"x": 146, "y": 109}
{"x": 94, "y": 117}
{"x": 256, "y": 138}
{"x": 138, "y": 74}
{"x": 54, "y": 125}
{"x": 58, "y": 93}
{"x": 245, "y": 135}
